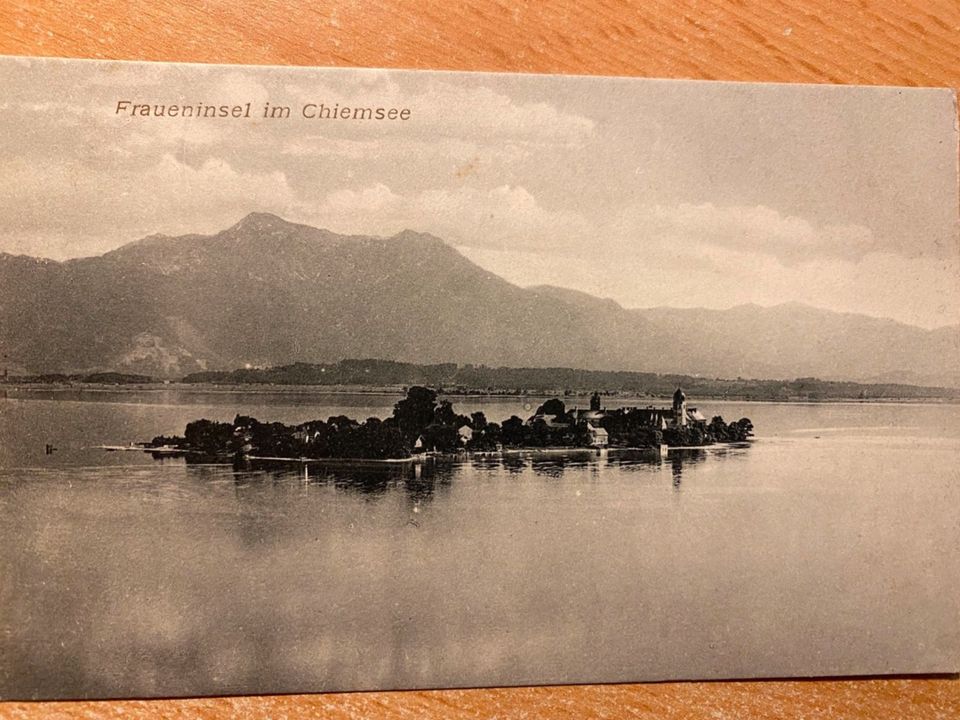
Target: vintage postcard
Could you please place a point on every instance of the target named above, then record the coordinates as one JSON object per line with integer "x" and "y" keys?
{"x": 341, "y": 379}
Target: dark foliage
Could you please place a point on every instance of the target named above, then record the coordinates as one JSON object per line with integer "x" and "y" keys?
{"x": 630, "y": 427}
{"x": 487, "y": 436}
{"x": 416, "y": 411}
{"x": 516, "y": 434}
{"x": 737, "y": 431}
{"x": 422, "y": 423}
{"x": 209, "y": 437}
{"x": 554, "y": 407}
{"x": 418, "y": 415}
{"x": 689, "y": 436}
{"x": 512, "y": 432}
{"x": 101, "y": 378}
{"x": 166, "y": 441}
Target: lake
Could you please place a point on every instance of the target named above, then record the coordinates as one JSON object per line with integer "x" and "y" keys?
{"x": 828, "y": 545}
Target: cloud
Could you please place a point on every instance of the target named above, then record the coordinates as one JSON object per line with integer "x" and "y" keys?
{"x": 164, "y": 134}
{"x": 511, "y": 218}
{"x": 916, "y": 291}
{"x": 442, "y": 110}
{"x": 320, "y": 146}
{"x": 604, "y": 188}
{"x": 757, "y": 229}
{"x": 503, "y": 216}
{"x": 685, "y": 255}
{"x": 526, "y": 268}
{"x": 492, "y": 114}
{"x": 343, "y": 206}
{"x": 214, "y": 183}
{"x": 55, "y": 210}
{"x": 913, "y": 290}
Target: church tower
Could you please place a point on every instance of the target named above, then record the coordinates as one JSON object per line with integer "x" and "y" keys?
{"x": 595, "y": 402}
{"x": 680, "y": 408}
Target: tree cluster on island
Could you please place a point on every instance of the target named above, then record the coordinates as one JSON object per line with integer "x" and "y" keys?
{"x": 422, "y": 422}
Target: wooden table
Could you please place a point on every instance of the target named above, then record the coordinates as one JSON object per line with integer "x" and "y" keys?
{"x": 913, "y": 42}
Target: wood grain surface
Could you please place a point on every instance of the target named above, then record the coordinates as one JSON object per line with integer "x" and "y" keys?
{"x": 913, "y": 42}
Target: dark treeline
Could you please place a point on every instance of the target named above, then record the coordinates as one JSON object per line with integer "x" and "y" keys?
{"x": 463, "y": 379}
{"x": 99, "y": 378}
{"x": 421, "y": 422}
{"x": 627, "y": 427}
{"x": 345, "y": 372}
{"x": 453, "y": 379}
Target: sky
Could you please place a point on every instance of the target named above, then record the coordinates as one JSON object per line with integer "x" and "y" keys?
{"x": 649, "y": 192}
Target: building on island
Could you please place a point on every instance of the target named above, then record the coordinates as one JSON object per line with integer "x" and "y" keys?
{"x": 595, "y": 421}
{"x": 679, "y": 414}
{"x": 680, "y": 408}
{"x": 599, "y": 438}
{"x": 593, "y": 418}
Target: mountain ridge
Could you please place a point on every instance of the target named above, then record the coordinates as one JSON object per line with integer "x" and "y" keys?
{"x": 569, "y": 293}
{"x": 266, "y": 291}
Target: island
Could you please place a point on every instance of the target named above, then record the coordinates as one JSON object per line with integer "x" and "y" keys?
{"x": 422, "y": 423}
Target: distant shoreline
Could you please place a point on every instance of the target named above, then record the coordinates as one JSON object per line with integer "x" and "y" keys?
{"x": 398, "y": 390}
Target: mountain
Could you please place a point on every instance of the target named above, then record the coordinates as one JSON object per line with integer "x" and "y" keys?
{"x": 786, "y": 341}
{"x": 266, "y": 292}
{"x": 797, "y": 340}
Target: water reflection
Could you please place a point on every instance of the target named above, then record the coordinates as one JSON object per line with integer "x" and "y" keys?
{"x": 485, "y": 461}
{"x": 420, "y": 480}
{"x": 680, "y": 457}
{"x": 513, "y": 464}
{"x": 126, "y": 576}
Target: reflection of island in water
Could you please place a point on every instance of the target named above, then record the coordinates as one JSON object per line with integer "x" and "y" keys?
{"x": 421, "y": 481}
{"x": 418, "y": 481}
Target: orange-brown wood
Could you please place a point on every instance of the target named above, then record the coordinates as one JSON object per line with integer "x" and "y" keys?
{"x": 915, "y": 42}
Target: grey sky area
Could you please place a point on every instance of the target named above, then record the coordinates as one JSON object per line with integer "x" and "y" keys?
{"x": 649, "y": 192}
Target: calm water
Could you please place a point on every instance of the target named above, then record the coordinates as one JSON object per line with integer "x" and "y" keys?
{"x": 829, "y": 545}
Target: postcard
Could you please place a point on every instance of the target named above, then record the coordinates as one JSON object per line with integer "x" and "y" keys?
{"x": 351, "y": 379}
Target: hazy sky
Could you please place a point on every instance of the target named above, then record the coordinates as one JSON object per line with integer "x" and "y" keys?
{"x": 648, "y": 192}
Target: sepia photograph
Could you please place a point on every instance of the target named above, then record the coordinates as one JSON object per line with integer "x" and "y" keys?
{"x": 352, "y": 379}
